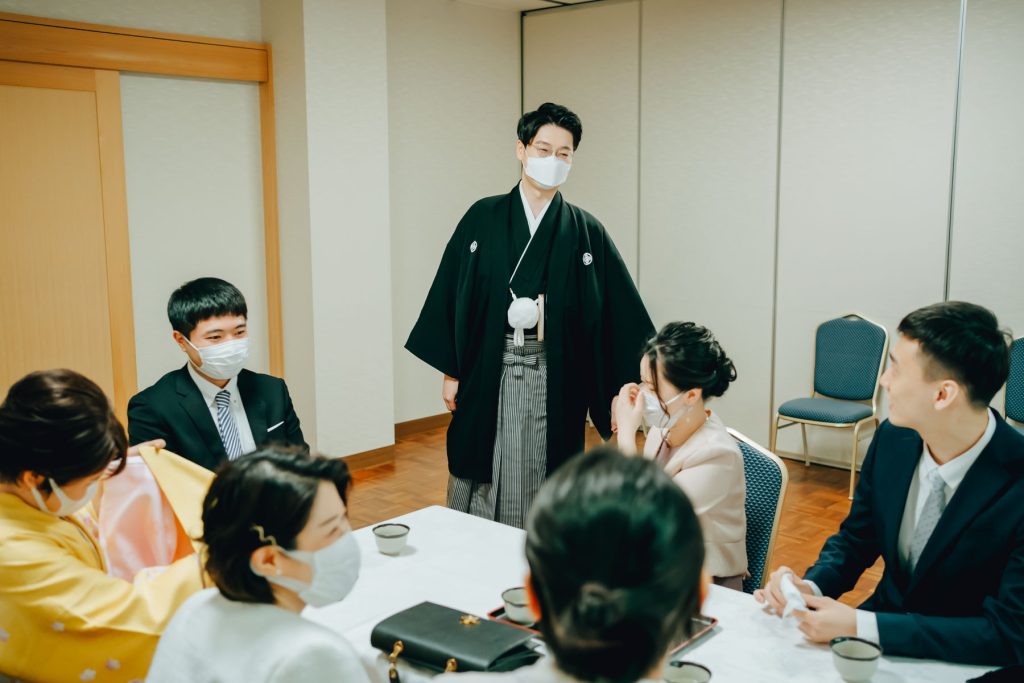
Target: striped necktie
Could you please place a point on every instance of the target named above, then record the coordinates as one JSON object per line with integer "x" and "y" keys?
{"x": 226, "y": 425}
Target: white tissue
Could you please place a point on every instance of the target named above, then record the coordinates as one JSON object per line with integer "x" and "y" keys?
{"x": 794, "y": 598}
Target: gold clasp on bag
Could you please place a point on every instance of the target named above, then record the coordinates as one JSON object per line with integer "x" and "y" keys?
{"x": 450, "y": 666}
{"x": 393, "y": 659}
{"x": 468, "y": 620}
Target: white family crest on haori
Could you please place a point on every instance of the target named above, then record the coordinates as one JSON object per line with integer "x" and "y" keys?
{"x": 472, "y": 247}
{"x": 587, "y": 259}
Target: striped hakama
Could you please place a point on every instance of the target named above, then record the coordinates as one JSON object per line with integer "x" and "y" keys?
{"x": 520, "y": 446}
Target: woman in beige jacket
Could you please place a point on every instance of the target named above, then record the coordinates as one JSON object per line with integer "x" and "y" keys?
{"x": 683, "y": 367}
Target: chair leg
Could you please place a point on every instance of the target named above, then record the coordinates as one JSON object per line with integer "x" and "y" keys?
{"x": 853, "y": 456}
{"x": 803, "y": 436}
{"x": 774, "y": 433}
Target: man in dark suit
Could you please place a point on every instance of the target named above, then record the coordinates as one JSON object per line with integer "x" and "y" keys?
{"x": 212, "y": 409}
{"x": 940, "y": 499}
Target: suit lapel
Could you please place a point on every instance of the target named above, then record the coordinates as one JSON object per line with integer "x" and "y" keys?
{"x": 199, "y": 412}
{"x": 987, "y": 478}
{"x": 255, "y": 408}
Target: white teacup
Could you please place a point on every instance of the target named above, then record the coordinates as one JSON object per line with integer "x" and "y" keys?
{"x": 391, "y": 538}
{"x": 686, "y": 672}
{"x": 517, "y": 607}
{"x": 855, "y": 659}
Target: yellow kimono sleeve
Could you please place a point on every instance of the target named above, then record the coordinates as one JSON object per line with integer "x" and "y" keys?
{"x": 64, "y": 619}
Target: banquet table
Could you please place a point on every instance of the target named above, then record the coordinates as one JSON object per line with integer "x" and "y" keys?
{"x": 465, "y": 562}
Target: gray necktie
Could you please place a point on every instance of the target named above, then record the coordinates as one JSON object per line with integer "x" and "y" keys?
{"x": 933, "y": 507}
{"x": 226, "y": 425}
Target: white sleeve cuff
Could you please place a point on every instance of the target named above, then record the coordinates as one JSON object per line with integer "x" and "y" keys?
{"x": 867, "y": 625}
{"x": 814, "y": 587}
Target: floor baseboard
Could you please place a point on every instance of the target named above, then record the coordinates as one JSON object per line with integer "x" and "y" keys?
{"x": 403, "y": 430}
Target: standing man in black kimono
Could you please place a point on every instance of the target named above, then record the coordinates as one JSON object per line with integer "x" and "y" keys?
{"x": 533, "y": 319}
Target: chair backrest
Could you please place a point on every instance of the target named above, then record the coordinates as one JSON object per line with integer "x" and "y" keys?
{"x": 1015, "y": 383}
{"x": 849, "y": 353}
{"x": 766, "y": 478}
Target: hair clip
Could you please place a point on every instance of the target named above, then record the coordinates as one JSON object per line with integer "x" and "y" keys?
{"x": 264, "y": 537}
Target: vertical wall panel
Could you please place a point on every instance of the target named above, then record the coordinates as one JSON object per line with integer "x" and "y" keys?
{"x": 988, "y": 215}
{"x": 868, "y": 107}
{"x": 709, "y": 114}
{"x": 587, "y": 59}
{"x": 195, "y": 207}
{"x": 453, "y": 104}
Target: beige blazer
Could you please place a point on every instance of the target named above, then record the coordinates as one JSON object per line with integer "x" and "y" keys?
{"x": 709, "y": 469}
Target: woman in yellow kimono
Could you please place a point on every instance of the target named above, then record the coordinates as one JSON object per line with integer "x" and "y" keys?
{"x": 62, "y": 617}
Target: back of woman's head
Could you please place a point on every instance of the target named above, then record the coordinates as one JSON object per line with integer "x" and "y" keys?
{"x": 59, "y": 424}
{"x": 615, "y": 551}
{"x": 690, "y": 357}
{"x": 262, "y": 496}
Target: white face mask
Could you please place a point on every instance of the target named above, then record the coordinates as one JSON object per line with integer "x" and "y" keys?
{"x": 224, "y": 360}
{"x": 656, "y": 416}
{"x": 335, "y": 570}
{"x": 68, "y": 506}
{"x": 548, "y": 172}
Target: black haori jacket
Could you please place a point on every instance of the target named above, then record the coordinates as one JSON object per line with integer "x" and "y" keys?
{"x": 595, "y": 323}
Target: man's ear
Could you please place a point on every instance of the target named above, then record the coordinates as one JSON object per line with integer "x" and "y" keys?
{"x": 947, "y": 394}
{"x": 181, "y": 341}
{"x": 531, "y": 598}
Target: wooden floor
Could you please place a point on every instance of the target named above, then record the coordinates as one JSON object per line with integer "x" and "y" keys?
{"x": 815, "y": 504}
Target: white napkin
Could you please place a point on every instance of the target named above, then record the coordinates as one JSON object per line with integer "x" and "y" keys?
{"x": 794, "y": 598}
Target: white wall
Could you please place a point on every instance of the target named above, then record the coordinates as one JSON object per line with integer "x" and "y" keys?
{"x": 192, "y": 161}
{"x": 453, "y": 104}
{"x": 234, "y": 19}
{"x": 864, "y": 150}
{"x": 709, "y": 117}
{"x": 869, "y": 91}
{"x": 350, "y": 240}
{"x": 589, "y": 61}
{"x": 988, "y": 209}
{"x": 195, "y": 207}
{"x": 336, "y": 257}
{"x": 283, "y": 29}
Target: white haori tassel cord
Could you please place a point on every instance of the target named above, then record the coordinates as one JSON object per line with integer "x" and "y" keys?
{"x": 523, "y": 314}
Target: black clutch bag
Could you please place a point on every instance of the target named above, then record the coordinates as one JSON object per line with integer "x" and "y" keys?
{"x": 444, "y": 639}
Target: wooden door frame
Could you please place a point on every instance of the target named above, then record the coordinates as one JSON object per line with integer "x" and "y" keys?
{"x": 114, "y": 49}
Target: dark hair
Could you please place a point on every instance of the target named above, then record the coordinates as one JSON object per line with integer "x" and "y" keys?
{"x": 198, "y": 300}
{"x": 533, "y": 121}
{"x": 267, "y": 493}
{"x": 59, "y": 424}
{"x": 690, "y": 357}
{"x": 962, "y": 341}
{"x": 615, "y": 551}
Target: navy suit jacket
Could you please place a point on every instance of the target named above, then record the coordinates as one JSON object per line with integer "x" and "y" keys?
{"x": 174, "y": 410}
{"x": 964, "y": 602}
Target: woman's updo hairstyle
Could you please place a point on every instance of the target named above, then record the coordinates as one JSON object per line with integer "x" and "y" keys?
{"x": 615, "y": 553}
{"x": 690, "y": 357}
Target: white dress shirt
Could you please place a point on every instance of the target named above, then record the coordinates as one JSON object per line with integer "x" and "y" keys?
{"x": 209, "y": 390}
{"x": 212, "y": 639}
{"x": 531, "y": 220}
{"x": 953, "y": 473}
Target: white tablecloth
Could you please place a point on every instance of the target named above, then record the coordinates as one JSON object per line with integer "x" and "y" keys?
{"x": 465, "y": 562}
